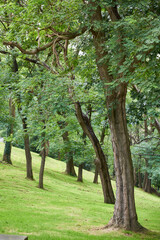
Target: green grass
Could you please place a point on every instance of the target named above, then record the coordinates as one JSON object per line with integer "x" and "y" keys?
{"x": 66, "y": 209}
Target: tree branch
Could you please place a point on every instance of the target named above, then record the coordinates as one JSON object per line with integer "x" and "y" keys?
{"x": 67, "y": 35}
{"x": 29, "y": 52}
{"x": 3, "y": 25}
{"x": 35, "y": 61}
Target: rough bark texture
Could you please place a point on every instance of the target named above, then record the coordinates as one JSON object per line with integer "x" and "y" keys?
{"x": 80, "y": 171}
{"x": 101, "y": 161}
{"x": 124, "y": 212}
{"x": 124, "y": 215}
{"x": 27, "y": 150}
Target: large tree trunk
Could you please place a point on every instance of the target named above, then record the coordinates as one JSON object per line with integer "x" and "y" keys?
{"x": 124, "y": 215}
{"x": 102, "y": 165}
{"x": 124, "y": 211}
{"x": 27, "y": 150}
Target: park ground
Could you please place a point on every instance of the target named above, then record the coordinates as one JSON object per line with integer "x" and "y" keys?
{"x": 65, "y": 209}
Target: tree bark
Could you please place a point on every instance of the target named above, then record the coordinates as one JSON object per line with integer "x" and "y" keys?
{"x": 139, "y": 177}
{"x": 135, "y": 177}
{"x": 8, "y": 144}
{"x": 41, "y": 173}
{"x": 102, "y": 165}
{"x": 70, "y": 170}
{"x": 124, "y": 211}
{"x": 95, "y": 180}
{"x": 157, "y": 125}
{"x": 27, "y": 150}
{"x": 124, "y": 215}
{"x": 147, "y": 181}
{"x": 80, "y": 171}
{"x": 42, "y": 153}
{"x": 69, "y": 164}
{"x": 7, "y": 148}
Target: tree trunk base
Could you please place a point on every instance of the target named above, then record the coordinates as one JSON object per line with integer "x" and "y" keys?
{"x": 134, "y": 226}
{"x": 7, "y": 159}
{"x": 30, "y": 178}
{"x": 70, "y": 168}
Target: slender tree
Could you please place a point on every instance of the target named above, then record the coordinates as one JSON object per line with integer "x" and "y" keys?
{"x": 101, "y": 161}
{"x": 8, "y": 144}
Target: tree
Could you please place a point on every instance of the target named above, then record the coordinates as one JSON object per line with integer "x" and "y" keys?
{"x": 119, "y": 52}
{"x": 8, "y": 144}
{"x": 101, "y": 161}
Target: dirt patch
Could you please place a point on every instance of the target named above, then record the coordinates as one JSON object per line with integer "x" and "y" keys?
{"x": 102, "y": 230}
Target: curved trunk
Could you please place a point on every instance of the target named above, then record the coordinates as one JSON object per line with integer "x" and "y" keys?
{"x": 101, "y": 161}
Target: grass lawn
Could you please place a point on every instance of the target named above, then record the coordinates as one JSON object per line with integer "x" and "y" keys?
{"x": 66, "y": 209}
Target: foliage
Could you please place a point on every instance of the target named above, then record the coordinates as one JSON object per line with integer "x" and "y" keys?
{"x": 148, "y": 151}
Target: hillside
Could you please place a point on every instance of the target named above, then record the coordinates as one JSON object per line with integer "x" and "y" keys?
{"x": 66, "y": 209}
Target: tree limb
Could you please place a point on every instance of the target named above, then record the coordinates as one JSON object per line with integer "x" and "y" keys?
{"x": 67, "y": 35}
{"x": 29, "y": 52}
{"x": 35, "y": 61}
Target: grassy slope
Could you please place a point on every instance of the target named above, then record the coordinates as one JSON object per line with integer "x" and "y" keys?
{"x": 66, "y": 209}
